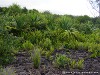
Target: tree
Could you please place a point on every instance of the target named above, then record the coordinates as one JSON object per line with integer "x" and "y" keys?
{"x": 95, "y": 5}
{"x": 24, "y": 10}
{"x": 14, "y": 9}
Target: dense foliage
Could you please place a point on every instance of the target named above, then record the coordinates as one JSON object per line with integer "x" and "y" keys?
{"x": 23, "y": 29}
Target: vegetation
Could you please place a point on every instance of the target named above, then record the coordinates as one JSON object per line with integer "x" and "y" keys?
{"x": 27, "y": 45}
{"x": 23, "y": 29}
{"x": 61, "y": 61}
{"x": 36, "y": 58}
{"x": 80, "y": 64}
{"x": 73, "y": 64}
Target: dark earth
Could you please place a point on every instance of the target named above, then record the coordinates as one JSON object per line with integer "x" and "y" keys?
{"x": 23, "y": 64}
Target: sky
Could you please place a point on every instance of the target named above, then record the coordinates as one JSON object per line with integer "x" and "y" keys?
{"x": 70, "y": 7}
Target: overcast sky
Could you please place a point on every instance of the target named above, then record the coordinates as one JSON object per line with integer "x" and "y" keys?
{"x": 70, "y": 7}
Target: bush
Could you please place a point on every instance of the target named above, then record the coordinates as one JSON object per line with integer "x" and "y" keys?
{"x": 94, "y": 49}
{"x": 36, "y": 58}
{"x": 80, "y": 64}
{"x": 9, "y": 45}
{"x": 73, "y": 64}
{"x": 27, "y": 45}
{"x": 61, "y": 61}
{"x": 46, "y": 44}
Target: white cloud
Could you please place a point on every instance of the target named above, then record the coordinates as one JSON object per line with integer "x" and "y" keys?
{"x": 74, "y": 7}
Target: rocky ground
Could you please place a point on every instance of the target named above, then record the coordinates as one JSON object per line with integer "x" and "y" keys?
{"x": 23, "y": 64}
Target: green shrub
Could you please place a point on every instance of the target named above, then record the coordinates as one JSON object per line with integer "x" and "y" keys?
{"x": 9, "y": 45}
{"x": 45, "y": 43}
{"x": 36, "y": 37}
{"x": 27, "y": 45}
{"x": 80, "y": 64}
{"x": 65, "y": 22}
{"x": 94, "y": 49}
{"x": 94, "y": 55}
{"x": 58, "y": 45}
{"x": 81, "y": 45}
{"x": 70, "y": 45}
{"x": 36, "y": 58}
{"x": 73, "y": 64}
{"x": 48, "y": 54}
{"x": 61, "y": 61}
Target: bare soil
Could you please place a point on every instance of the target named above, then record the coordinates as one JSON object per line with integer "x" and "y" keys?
{"x": 24, "y": 66}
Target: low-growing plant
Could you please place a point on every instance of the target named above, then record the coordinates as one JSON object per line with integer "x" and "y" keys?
{"x": 95, "y": 50}
{"x": 47, "y": 44}
{"x": 81, "y": 45}
{"x": 36, "y": 57}
{"x": 58, "y": 45}
{"x": 27, "y": 45}
{"x": 94, "y": 55}
{"x": 73, "y": 64}
{"x": 70, "y": 45}
{"x": 48, "y": 54}
{"x": 61, "y": 61}
{"x": 80, "y": 64}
